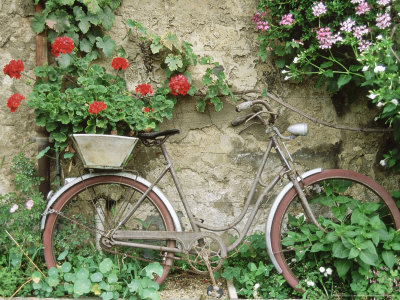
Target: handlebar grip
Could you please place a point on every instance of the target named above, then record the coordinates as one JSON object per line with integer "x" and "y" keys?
{"x": 244, "y": 105}
{"x": 239, "y": 120}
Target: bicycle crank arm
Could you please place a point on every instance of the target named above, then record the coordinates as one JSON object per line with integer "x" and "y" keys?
{"x": 186, "y": 239}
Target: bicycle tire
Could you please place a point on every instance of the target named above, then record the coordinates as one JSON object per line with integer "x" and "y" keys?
{"x": 97, "y": 204}
{"x": 280, "y": 219}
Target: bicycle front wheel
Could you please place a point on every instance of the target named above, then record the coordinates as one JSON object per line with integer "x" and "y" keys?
{"x": 338, "y": 198}
{"x": 87, "y": 212}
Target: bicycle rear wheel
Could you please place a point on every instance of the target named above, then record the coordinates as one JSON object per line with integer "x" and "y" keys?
{"x": 87, "y": 211}
{"x": 333, "y": 196}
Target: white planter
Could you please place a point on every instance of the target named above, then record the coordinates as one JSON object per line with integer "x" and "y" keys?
{"x": 102, "y": 151}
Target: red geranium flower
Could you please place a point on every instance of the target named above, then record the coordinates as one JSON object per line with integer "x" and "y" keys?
{"x": 14, "y": 101}
{"x": 14, "y": 68}
{"x": 97, "y": 106}
{"x": 62, "y": 44}
{"x": 146, "y": 109}
{"x": 144, "y": 89}
{"x": 119, "y": 63}
{"x": 179, "y": 85}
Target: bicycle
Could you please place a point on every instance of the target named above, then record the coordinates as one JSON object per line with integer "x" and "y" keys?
{"x": 123, "y": 213}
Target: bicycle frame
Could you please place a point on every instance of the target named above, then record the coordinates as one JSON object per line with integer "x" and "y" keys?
{"x": 186, "y": 237}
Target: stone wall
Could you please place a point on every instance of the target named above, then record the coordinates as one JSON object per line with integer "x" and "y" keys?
{"x": 215, "y": 161}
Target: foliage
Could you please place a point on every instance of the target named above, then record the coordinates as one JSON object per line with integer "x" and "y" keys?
{"x": 62, "y": 94}
{"x": 353, "y": 246}
{"x": 351, "y": 46}
{"x": 99, "y": 277}
{"x": 178, "y": 56}
{"x": 84, "y": 21}
{"x": 20, "y": 212}
{"x": 253, "y": 273}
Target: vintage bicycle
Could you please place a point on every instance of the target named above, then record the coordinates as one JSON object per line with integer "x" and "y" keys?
{"x": 111, "y": 210}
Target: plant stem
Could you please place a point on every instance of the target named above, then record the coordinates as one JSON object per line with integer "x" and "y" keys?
{"x": 23, "y": 252}
{"x": 16, "y": 292}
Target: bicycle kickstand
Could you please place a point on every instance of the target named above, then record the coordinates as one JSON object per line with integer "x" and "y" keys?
{"x": 213, "y": 290}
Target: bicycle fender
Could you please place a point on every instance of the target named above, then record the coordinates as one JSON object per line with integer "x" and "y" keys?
{"x": 272, "y": 211}
{"x": 143, "y": 181}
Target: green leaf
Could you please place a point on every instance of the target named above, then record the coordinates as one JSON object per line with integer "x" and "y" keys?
{"x": 52, "y": 280}
{"x": 62, "y": 255}
{"x": 389, "y": 258}
{"x": 153, "y": 268}
{"x": 106, "y": 265}
{"x": 106, "y": 44}
{"x": 107, "y": 17}
{"x": 326, "y": 64}
{"x": 217, "y": 103}
{"x": 43, "y": 152}
{"x": 82, "y": 286}
{"x": 107, "y": 295}
{"x": 85, "y": 45}
{"x": 339, "y": 250}
{"x": 170, "y": 41}
{"x": 201, "y": 105}
{"x": 64, "y": 60}
{"x": 342, "y": 266}
{"x": 174, "y": 62}
{"x": 92, "y": 5}
{"x": 155, "y": 48}
{"x": 112, "y": 278}
{"x": 343, "y": 80}
{"x": 82, "y": 273}
{"x": 38, "y": 22}
{"x": 96, "y": 277}
{"x": 66, "y": 267}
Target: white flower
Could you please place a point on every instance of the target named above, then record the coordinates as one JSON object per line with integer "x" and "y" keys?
{"x": 14, "y": 208}
{"x": 379, "y": 69}
{"x": 287, "y": 77}
{"x": 372, "y": 96}
{"x": 329, "y": 271}
{"x": 29, "y": 204}
{"x": 394, "y": 101}
{"x": 285, "y": 71}
{"x": 296, "y": 60}
{"x": 365, "y": 68}
{"x": 322, "y": 269}
{"x": 380, "y": 104}
{"x": 379, "y": 37}
{"x": 299, "y": 215}
{"x": 383, "y": 163}
{"x": 310, "y": 283}
{"x": 256, "y": 286}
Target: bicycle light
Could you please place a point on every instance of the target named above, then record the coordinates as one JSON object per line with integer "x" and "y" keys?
{"x": 298, "y": 129}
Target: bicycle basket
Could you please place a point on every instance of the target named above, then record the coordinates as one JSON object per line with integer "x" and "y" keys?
{"x": 102, "y": 151}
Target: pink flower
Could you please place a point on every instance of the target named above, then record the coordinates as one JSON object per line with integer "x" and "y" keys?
{"x": 347, "y": 25}
{"x": 29, "y": 204}
{"x": 14, "y": 208}
{"x": 287, "y": 20}
{"x": 363, "y": 45}
{"x": 326, "y": 39}
{"x": 383, "y": 20}
{"x": 362, "y": 8}
{"x": 383, "y": 2}
{"x": 319, "y": 9}
{"x": 263, "y": 25}
{"x": 359, "y": 31}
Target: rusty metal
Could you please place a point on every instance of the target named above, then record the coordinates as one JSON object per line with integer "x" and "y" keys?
{"x": 42, "y": 135}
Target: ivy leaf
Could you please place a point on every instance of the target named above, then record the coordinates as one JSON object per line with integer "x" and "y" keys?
{"x": 201, "y": 105}
{"x": 64, "y": 60}
{"x": 43, "y": 152}
{"x": 85, "y": 45}
{"x": 155, "y": 48}
{"x": 217, "y": 103}
{"x": 107, "y": 18}
{"x": 92, "y": 5}
{"x": 38, "y": 22}
{"x": 174, "y": 62}
{"x": 61, "y": 21}
{"x": 170, "y": 41}
{"x": 106, "y": 44}
{"x": 343, "y": 80}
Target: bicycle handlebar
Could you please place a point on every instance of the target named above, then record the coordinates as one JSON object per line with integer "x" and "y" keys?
{"x": 248, "y": 104}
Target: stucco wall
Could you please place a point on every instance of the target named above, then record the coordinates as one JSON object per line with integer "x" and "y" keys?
{"x": 215, "y": 162}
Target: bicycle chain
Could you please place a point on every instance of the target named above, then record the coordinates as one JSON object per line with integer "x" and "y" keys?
{"x": 105, "y": 248}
